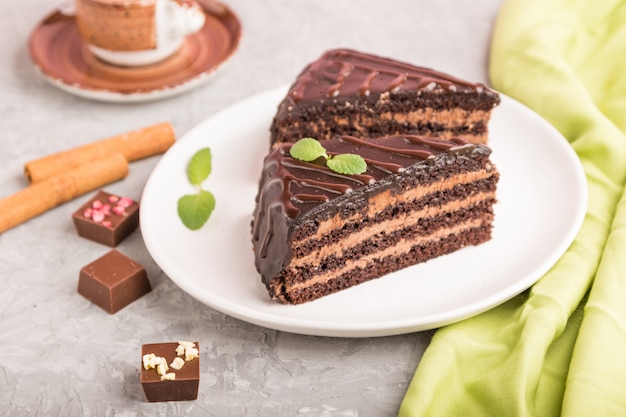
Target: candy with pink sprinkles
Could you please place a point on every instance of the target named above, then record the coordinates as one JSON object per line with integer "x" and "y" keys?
{"x": 97, "y": 216}
{"x": 106, "y": 218}
{"x": 99, "y": 211}
{"x": 125, "y": 202}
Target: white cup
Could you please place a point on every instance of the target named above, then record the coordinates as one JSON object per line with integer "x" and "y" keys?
{"x": 136, "y": 32}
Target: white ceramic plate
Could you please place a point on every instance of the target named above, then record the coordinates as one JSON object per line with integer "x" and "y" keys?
{"x": 542, "y": 200}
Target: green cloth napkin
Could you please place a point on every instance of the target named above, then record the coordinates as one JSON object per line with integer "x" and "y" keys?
{"x": 560, "y": 347}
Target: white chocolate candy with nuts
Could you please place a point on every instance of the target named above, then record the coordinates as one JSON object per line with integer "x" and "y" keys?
{"x": 186, "y": 349}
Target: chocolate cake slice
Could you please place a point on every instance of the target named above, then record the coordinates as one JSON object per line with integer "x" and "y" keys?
{"x": 347, "y": 92}
{"x": 316, "y": 232}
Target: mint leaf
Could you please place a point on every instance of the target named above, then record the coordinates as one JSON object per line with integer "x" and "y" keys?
{"x": 194, "y": 209}
{"x": 347, "y": 163}
{"x": 307, "y": 149}
{"x": 199, "y": 166}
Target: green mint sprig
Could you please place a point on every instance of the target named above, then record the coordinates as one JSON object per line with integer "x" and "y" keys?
{"x": 195, "y": 209}
{"x": 309, "y": 149}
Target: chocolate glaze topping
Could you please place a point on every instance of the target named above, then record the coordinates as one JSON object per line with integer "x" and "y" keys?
{"x": 348, "y": 72}
{"x": 290, "y": 188}
{"x": 307, "y": 184}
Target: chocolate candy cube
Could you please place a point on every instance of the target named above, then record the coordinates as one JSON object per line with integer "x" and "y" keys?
{"x": 113, "y": 281}
{"x": 106, "y": 218}
{"x": 178, "y": 379}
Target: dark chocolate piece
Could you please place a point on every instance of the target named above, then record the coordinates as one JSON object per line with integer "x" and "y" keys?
{"x": 106, "y": 218}
{"x": 113, "y": 281}
{"x": 187, "y": 379}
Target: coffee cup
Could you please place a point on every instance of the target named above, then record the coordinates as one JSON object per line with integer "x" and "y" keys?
{"x": 136, "y": 32}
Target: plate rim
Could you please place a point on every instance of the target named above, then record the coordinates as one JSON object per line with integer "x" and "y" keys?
{"x": 388, "y": 327}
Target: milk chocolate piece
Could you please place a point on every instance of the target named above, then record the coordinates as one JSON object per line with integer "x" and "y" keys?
{"x": 185, "y": 385}
{"x": 106, "y": 218}
{"x": 113, "y": 281}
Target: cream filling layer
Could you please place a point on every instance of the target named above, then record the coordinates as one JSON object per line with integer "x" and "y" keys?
{"x": 384, "y": 199}
{"x": 449, "y": 119}
{"x": 403, "y": 246}
{"x": 388, "y": 226}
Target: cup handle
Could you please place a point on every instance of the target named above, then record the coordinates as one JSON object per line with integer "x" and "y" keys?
{"x": 184, "y": 18}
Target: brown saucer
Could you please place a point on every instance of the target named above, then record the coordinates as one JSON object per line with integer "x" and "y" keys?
{"x": 61, "y": 56}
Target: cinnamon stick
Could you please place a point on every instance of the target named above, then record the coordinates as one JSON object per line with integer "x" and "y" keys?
{"x": 55, "y": 190}
{"x": 134, "y": 145}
